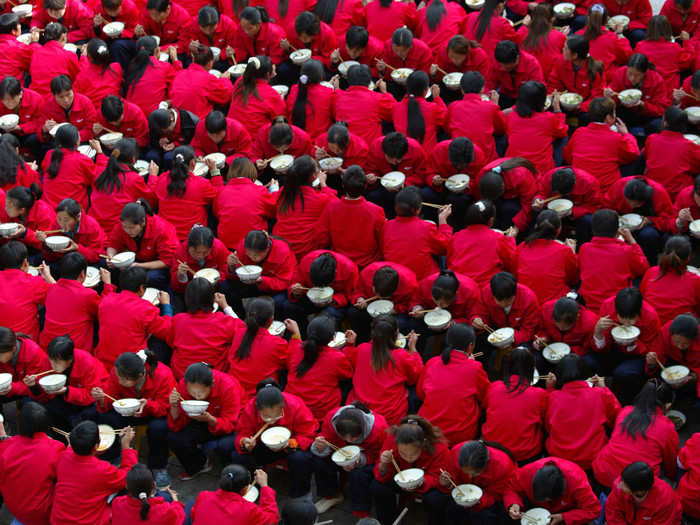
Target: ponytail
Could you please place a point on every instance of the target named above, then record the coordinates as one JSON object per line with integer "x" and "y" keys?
{"x": 485, "y": 16}
{"x": 67, "y": 137}
{"x": 320, "y": 333}
{"x": 546, "y": 227}
{"x": 311, "y": 73}
{"x": 145, "y": 47}
{"x": 139, "y": 484}
{"x": 416, "y": 430}
{"x": 384, "y": 330}
{"x": 434, "y": 13}
{"x": 10, "y": 161}
{"x": 597, "y": 18}
{"x": 260, "y": 312}
{"x": 458, "y": 337}
{"x": 258, "y": 67}
{"x": 675, "y": 257}
{"x": 180, "y": 171}
{"x": 416, "y": 84}
{"x": 124, "y": 152}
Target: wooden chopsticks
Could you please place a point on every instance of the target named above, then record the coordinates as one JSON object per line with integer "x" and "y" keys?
{"x": 61, "y": 432}
{"x": 390, "y": 68}
{"x": 550, "y": 199}
{"x": 398, "y": 520}
{"x": 262, "y": 429}
{"x": 437, "y": 206}
{"x": 398, "y": 469}
{"x": 337, "y": 449}
{"x": 44, "y": 373}
{"x": 454, "y": 485}
{"x": 187, "y": 267}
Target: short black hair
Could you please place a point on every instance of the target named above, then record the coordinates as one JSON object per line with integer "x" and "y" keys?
{"x": 504, "y": 285}
{"x": 605, "y": 223}
{"x": 72, "y": 265}
{"x": 61, "y": 347}
{"x": 33, "y": 418}
{"x": 506, "y": 52}
{"x": 548, "y": 483}
{"x": 84, "y": 437}
{"x": 628, "y": 302}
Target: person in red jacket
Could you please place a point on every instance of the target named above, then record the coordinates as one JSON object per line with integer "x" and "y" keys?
{"x": 75, "y": 16}
{"x": 607, "y": 263}
{"x": 65, "y": 105}
{"x": 229, "y": 502}
{"x": 340, "y": 142}
{"x": 456, "y": 293}
{"x": 218, "y": 134}
{"x": 22, "y": 206}
{"x": 210, "y": 28}
{"x": 28, "y": 460}
{"x": 575, "y": 71}
{"x": 310, "y": 33}
{"x": 279, "y": 138}
{"x": 458, "y": 376}
{"x": 543, "y": 254}
{"x": 683, "y": 16}
{"x": 505, "y": 302}
{"x": 578, "y": 416}
{"x": 258, "y": 35}
{"x": 349, "y": 425}
{"x": 123, "y": 117}
{"x": 488, "y": 465}
{"x": 680, "y": 345}
{"x": 23, "y": 358}
{"x": 52, "y": 60}
{"x": 356, "y": 44}
{"x": 122, "y": 47}
{"x": 488, "y": 26}
{"x": 402, "y": 50}
{"x": 68, "y": 173}
{"x": 557, "y": 485}
{"x": 384, "y": 17}
{"x": 213, "y": 428}
{"x": 436, "y": 24}
{"x": 458, "y": 55}
{"x": 687, "y": 489}
{"x": 638, "y": 11}
{"x": 201, "y": 250}
{"x": 99, "y": 76}
{"x": 512, "y": 68}
{"x": 413, "y": 443}
{"x": 315, "y": 368}
{"x": 541, "y": 39}
{"x": 640, "y": 497}
{"x": 84, "y": 482}
{"x": 686, "y": 206}
{"x": 18, "y": 55}
{"x": 602, "y": 146}
{"x": 311, "y": 106}
{"x": 164, "y": 19}
{"x": 642, "y": 433}
{"x": 271, "y": 406}
{"x": 25, "y": 103}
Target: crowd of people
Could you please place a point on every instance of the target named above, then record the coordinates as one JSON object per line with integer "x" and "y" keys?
{"x": 397, "y": 250}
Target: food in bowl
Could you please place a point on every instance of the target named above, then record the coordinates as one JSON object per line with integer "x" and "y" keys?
{"x": 457, "y": 183}
{"x": 630, "y": 97}
{"x": 618, "y": 20}
{"x": 674, "y": 375}
{"x": 248, "y": 273}
{"x": 625, "y": 335}
{"x": 570, "y": 101}
{"x": 276, "y": 328}
{"x": 57, "y": 242}
{"x": 452, "y": 80}
{"x": 86, "y": 150}
{"x": 693, "y": 113}
{"x": 52, "y": 383}
{"x": 107, "y": 437}
{"x": 677, "y": 418}
{"x": 123, "y": 259}
{"x": 8, "y": 122}
{"x": 393, "y": 180}
{"x": 343, "y": 67}
{"x": 346, "y": 456}
{"x": 631, "y": 221}
{"x": 401, "y": 74}
{"x": 281, "y": 163}
{"x": 475, "y": 4}
{"x": 536, "y": 516}
{"x": 113, "y": 29}
{"x": 109, "y": 140}
{"x": 237, "y": 70}
{"x": 380, "y": 307}
{"x": 438, "y": 319}
{"x": 467, "y": 495}
{"x": 5, "y": 381}
{"x": 330, "y": 164}
{"x": 156, "y": 38}
{"x": 151, "y": 295}
{"x": 92, "y": 277}
{"x": 218, "y": 158}
{"x": 23, "y": 10}
{"x": 8, "y": 229}
{"x": 563, "y": 207}
{"x": 215, "y": 73}
{"x": 564, "y": 10}
{"x": 216, "y": 51}
{"x": 410, "y": 479}
{"x": 210, "y": 274}
{"x": 192, "y": 407}
{"x": 555, "y": 352}
{"x": 338, "y": 340}
{"x": 320, "y": 295}
{"x": 25, "y": 38}
{"x": 141, "y": 167}
{"x": 694, "y": 228}
{"x": 126, "y": 407}
{"x": 71, "y": 47}
{"x": 300, "y": 56}
{"x": 276, "y": 438}
{"x": 281, "y": 89}
{"x": 164, "y": 57}
{"x": 502, "y": 338}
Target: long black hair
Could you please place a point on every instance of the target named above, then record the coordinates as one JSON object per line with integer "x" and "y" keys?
{"x": 326, "y": 9}
{"x": 319, "y": 333}
{"x": 124, "y": 153}
{"x": 384, "y": 330}
{"x": 140, "y": 485}
{"x": 180, "y": 170}
{"x": 298, "y": 175}
{"x": 311, "y": 73}
{"x": 434, "y": 13}
{"x": 416, "y": 84}
{"x": 145, "y": 47}
{"x": 547, "y": 226}
{"x": 10, "y": 160}
{"x": 98, "y": 53}
{"x": 521, "y": 362}
{"x": 485, "y": 16}
{"x": 258, "y": 67}
{"x": 652, "y": 397}
{"x": 68, "y": 137}
{"x": 260, "y": 313}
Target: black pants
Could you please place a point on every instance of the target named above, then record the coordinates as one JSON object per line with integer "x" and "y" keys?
{"x": 387, "y": 511}
{"x": 156, "y": 433}
{"x": 359, "y": 479}
{"x": 190, "y": 444}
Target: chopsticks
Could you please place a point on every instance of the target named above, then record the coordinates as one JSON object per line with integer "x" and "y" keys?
{"x": 109, "y": 130}
{"x": 390, "y": 68}
{"x": 107, "y": 257}
{"x": 454, "y": 485}
{"x": 690, "y": 96}
{"x": 262, "y": 429}
{"x": 437, "y": 206}
{"x": 425, "y": 311}
{"x": 44, "y": 373}
{"x": 518, "y": 22}
{"x": 116, "y": 431}
{"x": 337, "y": 449}
{"x": 474, "y": 356}
{"x": 488, "y": 328}
{"x": 110, "y": 397}
{"x": 61, "y": 432}
{"x": 187, "y": 267}
{"x": 529, "y": 519}
{"x": 659, "y": 363}
{"x": 53, "y": 231}
{"x": 398, "y": 520}
{"x": 398, "y": 469}
{"x": 442, "y": 71}
{"x": 550, "y": 199}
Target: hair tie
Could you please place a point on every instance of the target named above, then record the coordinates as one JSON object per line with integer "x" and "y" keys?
{"x": 411, "y": 422}
{"x": 497, "y": 169}
{"x": 163, "y": 105}
{"x": 255, "y": 61}
{"x": 597, "y": 8}
{"x": 269, "y": 385}
{"x": 304, "y": 79}
{"x": 102, "y": 50}
{"x": 142, "y": 354}
{"x": 229, "y": 475}
{"x": 179, "y": 157}
{"x": 572, "y": 295}
{"x": 116, "y": 153}
{"x": 481, "y": 206}
{"x": 143, "y": 496}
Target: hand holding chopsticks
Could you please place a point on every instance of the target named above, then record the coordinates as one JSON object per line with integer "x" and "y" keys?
{"x": 344, "y": 453}
{"x": 262, "y": 429}
{"x": 447, "y": 476}
{"x": 398, "y": 469}
{"x": 186, "y": 266}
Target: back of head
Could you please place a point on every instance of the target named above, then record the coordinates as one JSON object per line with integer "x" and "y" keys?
{"x": 359, "y": 75}
{"x": 472, "y": 82}
{"x": 506, "y": 52}
{"x": 84, "y": 437}
{"x": 8, "y": 23}
{"x": 480, "y": 212}
{"x": 129, "y": 366}
{"x": 72, "y": 265}
{"x": 402, "y": 37}
{"x": 33, "y": 418}
{"x": 638, "y": 190}
{"x": 408, "y": 202}
{"x": 503, "y": 286}
{"x": 199, "y": 374}
{"x": 565, "y": 310}
{"x": 199, "y": 296}
{"x": 685, "y": 325}
{"x": 675, "y": 119}
{"x": 650, "y": 399}
{"x": 385, "y": 281}
{"x": 531, "y": 98}
{"x": 133, "y": 278}
{"x": 628, "y": 303}
{"x": 459, "y": 336}
{"x": 676, "y": 256}
{"x": 384, "y": 332}
{"x": 460, "y": 153}
{"x": 323, "y": 270}
{"x": 140, "y": 485}
{"x": 61, "y": 348}
{"x": 563, "y": 181}
{"x": 605, "y": 223}
{"x": 298, "y": 512}
{"x": 547, "y": 226}
{"x": 354, "y": 181}
{"x": 548, "y": 483}
{"x": 569, "y": 369}
{"x": 54, "y": 31}
{"x": 601, "y": 108}
{"x": 638, "y": 476}
{"x": 521, "y": 363}
{"x": 12, "y": 255}
{"x": 234, "y": 478}
{"x": 268, "y": 394}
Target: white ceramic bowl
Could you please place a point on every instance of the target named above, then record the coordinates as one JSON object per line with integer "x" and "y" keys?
{"x": 338, "y": 340}
{"x": 281, "y": 89}
{"x": 156, "y": 38}
{"x": 141, "y": 167}
{"x": 631, "y": 221}
{"x": 438, "y": 320}
{"x": 107, "y": 437}
{"x": 248, "y": 273}
{"x": 452, "y": 80}
{"x": 210, "y": 274}
{"x": 475, "y": 4}
{"x": 400, "y": 75}
{"x": 71, "y": 47}
{"x": 123, "y": 259}
{"x": 330, "y": 164}
{"x": 346, "y": 456}
{"x": 52, "y": 382}
{"x": 281, "y": 163}
{"x": 151, "y": 295}
{"x": 629, "y": 97}
{"x": 467, "y": 495}
{"x": 200, "y": 169}
{"x": 300, "y": 56}
{"x": 619, "y": 20}
{"x": 677, "y": 418}
{"x": 25, "y": 38}
{"x": 86, "y": 150}
{"x": 252, "y": 494}
{"x": 380, "y": 307}
{"x": 673, "y": 375}
{"x": 563, "y": 207}
{"x": 326, "y": 84}
{"x": 693, "y": 113}
{"x": 5, "y": 381}
{"x": 237, "y": 70}
{"x": 393, "y": 180}
{"x": 92, "y": 277}
{"x": 410, "y": 479}
{"x": 126, "y": 407}
{"x": 192, "y": 407}
{"x": 57, "y": 242}
{"x": 694, "y": 228}
{"x": 22, "y": 10}
{"x": 564, "y": 10}
{"x": 218, "y": 158}
{"x": 535, "y": 377}
{"x": 277, "y": 328}
{"x": 692, "y": 138}
{"x": 53, "y": 130}
{"x": 344, "y": 66}
{"x": 570, "y": 101}
{"x": 536, "y": 516}
{"x": 216, "y": 51}
{"x": 320, "y": 296}
{"x": 163, "y": 57}
{"x": 457, "y": 183}
{"x": 215, "y": 73}
{"x": 625, "y": 335}
{"x": 113, "y": 29}
{"x": 7, "y": 122}
{"x": 109, "y": 140}
{"x": 554, "y": 352}
{"x": 8, "y": 228}
{"x": 502, "y": 338}
{"x": 276, "y": 438}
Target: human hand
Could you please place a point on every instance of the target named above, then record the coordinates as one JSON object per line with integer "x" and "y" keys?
{"x": 127, "y": 437}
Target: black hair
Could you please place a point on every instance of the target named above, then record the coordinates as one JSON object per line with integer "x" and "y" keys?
{"x": 159, "y": 120}
{"x": 638, "y": 476}
{"x": 61, "y": 83}
{"x": 112, "y": 108}
{"x": 532, "y": 96}
{"x": 180, "y": 170}
{"x": 125, "y": 151}
{"x": 72, "y": 265}
{"x": 207, "y": 16}
{"x": 695, "y": 80}
{"x": 416, "y": 430}
{"x": 521, "y": 363}
{"x": 600, "y": 108}
{"x": 303, "y": 168}
{"x": 359, "y": 75}
{"x": 158, "y": 5}
{"x": 133, "y": 278}
{"x": 145, "y": 47}
{"x": 258, "y": 67}
{"x": 445, "y": 286}
{"x": 9, "y": 85}
{"x": 84, "y": 437}
{"x": 234, "y": 478}
{"x": 68, "y": 137}
{"x": 416, "y": 85}
{"x": 570, "y": 368}
{"x": 460, "y": 152}
{"x": 475, "y": 454}
{"x": 299, "y": 512}
{"x": 62, "y": 348}
{"x": 312, "y": 70}
{"x": 639, "y": 190}
{"x": 202, "y": 55}
{"x": 268, "y": 394}
{"x": 385, "y": 281}
{"x": 434, "y": 13}
{"x": 492, "y": 183}
{"x": 676, "y": 119}
{"x": 548, "y": 483}
{"x": 354, "y": 181}
{"x": 326, "y": 9}
{"x": 651, "y": 398}
{"x": 136, "y": 212}
{"x": 563, "y": 181}
{"x": 259, "y": 314}
{"x": 605, "y": 223}
{"x": 33, "y": 418}
{"x": 69, "y": 206}
{"x": 402, "y": 37}
{"x": 685, "y": 325}
{"x": 215, "y": 122}
{"x": 307, "y": 23}
{"x": 98, "y": 53}
{"x": 459, "y": 337}
{"x": 323, "y": 269}
{"x": 384, "y": 331}
{"x": 480, "y": 212}
{"x": 319, "y": 333}
{"x": 200, "y": 236}
{"x": 8, "y": 23}
{"x": 580, "y": 46}
{"x": 395, "y": 145}
{"x": 351, "y": 420}
{"x": 503, "y": 285}
{"x": 628, "y": 302}
{"x": 565, "y": 310}
{"x": 139, "y": 480}
{"x": 472, "y": 82}
{"x": 408, "y": 202}
{"x": 199, "y": 296}
{"x": 547, "y": 226}
{"x": 12, "y": 255}
{"x": 254, "y": 15}
{"x": 54, "y": 31}
{"x": 281, "y": 134}
{"x": 356, "y": 37}
{"x": 640, "y": 62}
{"x": 257, "y": 240}
{"x": 199, "y": 374}
{"x": 485, "y": 15}
{"x": 339, "y": 134}
{"x": 675, "y": 257}
{"x": 129, "y": 366}
{"x": 506, "y": 52}
{"x": 10, "y": 160}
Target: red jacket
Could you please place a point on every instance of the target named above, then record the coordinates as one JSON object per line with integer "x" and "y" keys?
{"x": 671, "y": 294}
{"x": 638, "y": 11}
{"x": 479, "y": 252}
{"x": 551, "y": 258}
{"x": 84, "y": 374}
{"x": 579, "y": 337}
{"x": 607, "y": 265}
{"x": 685, "y": 199}
{"x": 600, "y": 151}
{"x": 81, "y": 114}
{"x": 462, "y": 381}
{"x": 344, "y": 283}
{"x": 419, "y": 56}
{"x": 672, "y": 59}
{"x": 577, "y": 419}
{"x": 39, "y": 218}
{"x": 648, "y": 323}
{"x": 414, "y": 164}
{"x": 440, "y": 163}
{"x": 242, "y": 206}
{"x": 24, "y": 176}
{"x": 71, "y": 309}
{"x": 671, "y": 160}
{"x": 185, "y": 211}
{"x": 294, "y": 7}
{"x": 266, "y": 42}
{"x": 30, "y": 360}
{"x": 371, "y": 445}
{"x": 353, "y": 227}
{"x": 547, "y": 50}
{"x": 202, "y": 336}
{"x": 661, "y": 505}
{"x": 297, "y": 225}
{"x": 278, "y": 268}
{"x": 531, "y": 137}
{"x": 689, "y": 484}
{"x": 226, "y": 400}
{"x": 17, "y": 55}
{"x": 77, "y": 19}
{"x": 128, "y": 14}
{"x": 126, "y": 510}
{"x": 384, "y": 391}
{"x": 21, "y": 295}
{"x": 83, "y": 486}
{"x": 258, "y": 110}
{"x": 153, "y": 86}
{"x": 169, "y": 30}
{"x": 220, "y": 506}
{"x": 106, "y": 208}
{"x": 372, "y": 51}
{"x": 193, "y": 89}
{"x": 49, "y": 61}
{"x": 578, "y": 504}
{"x": 508, "y": 83}
{"x": 681, "y": 22}
{"x": 126, "y": 321}
{"x": 465, "y": 305}
{"x": 452, "y": 23}
{"x": 659, "y": 446}
{"x": 356, "y": 152}
{"x": 134, "y": 123}
{"x": 364, "y": 111}
{"x": 297, "y": 418}
{"x": 158, "y": 242}
{"x": 412, "y": 242}
{"x": 223, "y": 35}
{"x": 403, "y": 295}
{"x": 565, "y": 78}
{"x": 96, "y": 84}
{"x": 321, "y": 45}
{"x": 318, "y": 387}
{"x": 654, "y": 93}
{"x": 320, "y": 108}
{"x": 610, "y": 49}
{"x": 158, "y": 384}
{"x": 661, "y": 218}
{"x": 515, "y": 419}
{"x": 430, "y": 463}
{"x": 383, "y": 21}
{"x": 434, "y": 116}
{"x": 347, "y": 14}
{"x": 262, "y": 149}
{"x": 493, "y": 481}
{"x": 217, "y": 259}
{"x": 524, "y": 315}
{"x": 585, "y": 195}
{"x": 28, "y": 111}
{"x": 670, "y": 352}
{"x": 236, "y": 143}
{"x": 28, "y": 476}
{"x": 477, "y": 60}
{"x": 498, "y": 29}
{"x": 89, "y": 237}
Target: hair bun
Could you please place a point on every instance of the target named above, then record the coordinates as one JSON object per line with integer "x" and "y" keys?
{"x": 143, "y": 496}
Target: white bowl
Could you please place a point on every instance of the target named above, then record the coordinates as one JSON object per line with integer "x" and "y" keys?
{"x": 617, "y": 20}
{"x": 629, "y": 97}
{"x": 338, "y": 340}
{"x": 151, "y": 295}
{"x": 563, "y": 207}
{"x": 438, "y": 320}
{"x": 216, "y": 51}
{"x": 7, "y": 122}
{"x": 281, "y": 89}
{"x": 554, "y": 352}
{"x": 469, "y": 496}
{"x": 535, "y": 377}
{"x": 23, "y": 10}
{"x": 326, "y": 84}
{"x": 410, "y": 479}
{"x": 564, "y": 10}
{"x": 52, "y": 382}
{"x": 215, "y": 73}
{"x": 380, "y": 307}
{"x": 281, "y": 163}
{"x": 238, "y": 70}
{"x": 126, "y": 407}
{"x": 164, "y": 57}
{"x": 109, "y": 140}
{"x": 123, "y": 259}
{"x": 694, "y": 228}
{"x": 113, "y": 29}
{"x": 192, "y": 407}
{"x": 625, "y": 335}
{"x": 218, "y": 158}
{"x": 536, "y": 516}
{"x": 210, "y": 274}
{"x": 346, "y": 456}
{"x": 344, "y": 66}
{"x": 570, "y": 101}
{"x": 8, "y": 228}
{"x": 107, "y": 437}
{"x": 502, "y": 338}
{"x": 457, "y": 183}
{"x": 677, "y": 418}
{"x": 200, "y": 169}
{"x": 71, "y": 47}
{"x": 400, "y": 75}
{"x": 5, "y": 381}
{"x": 252, "y": 494}
{"x": 86, "y": 150}
{"x": 452, "y": 80}
{"x": 320, "y": 295}
{"x": 631, "y": 221}
{"x": 276, "y": 438}
{"x": 674, "y": 375}
{"x": 92, "y": 277}
{"x": 25, "y": 38}
{"x": 156, "y": 38}
{"x": 53, "y": 130}
{"x": 693, "y": 113}
{"x": 330, "y": 164}
{"x": 277, "y": 328}
{"x": 300, "y": 56}
{"x": 248, "y": 273}
{"x": 692, "y": 138}
{"x": 475, "y": 4}
{"x": 57, "y": 242}
{"x": 141, "y": 167}
{"x": 393, "y": 180}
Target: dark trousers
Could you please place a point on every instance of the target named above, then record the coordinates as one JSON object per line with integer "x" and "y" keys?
{"x": 651, "y": 242}
{"x": 458, "y": 515}
{"x": 361, "y": 321}
{"x": 235, "y": 291}
{"x": 122, "y": 50}
{"x": 301, "y": 309}
{"x": 459, "y": 201}
{"x": 359, "y": 479}
{"x": 384, "y": 495}
{"x": 191, "y": 443}
{"x": 156, "y": 433}
{"x": 65, "y": 415}
{"x": 384, "y": 198}
{"x": 506, "y": 209}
